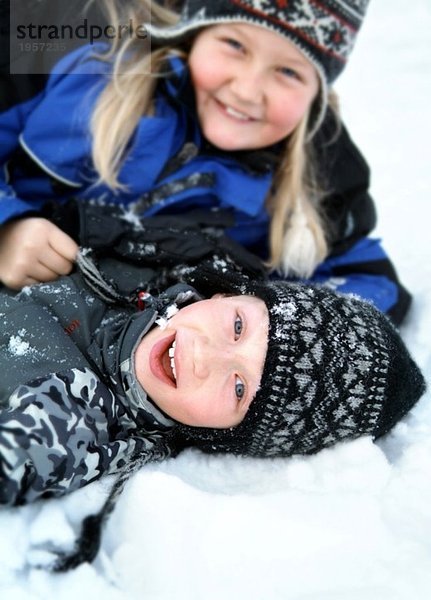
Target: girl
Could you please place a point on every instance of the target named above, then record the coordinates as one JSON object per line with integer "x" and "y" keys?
{"x": 96, "y": 383}
{"x": 232, "y": 110}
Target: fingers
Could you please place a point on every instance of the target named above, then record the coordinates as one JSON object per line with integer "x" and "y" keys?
{"x": 37, "y": 272}
{"x": 19, "y": 281}
{"x": 63, "y": 245}
{"x": 27, "y": 281}
{"x": 42, "y": 273}
{"x": 50, "y": 261}
{"x": 34, "y": 250}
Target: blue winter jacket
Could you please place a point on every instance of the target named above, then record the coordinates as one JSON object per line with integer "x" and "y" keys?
{"x": 45, "y": 152}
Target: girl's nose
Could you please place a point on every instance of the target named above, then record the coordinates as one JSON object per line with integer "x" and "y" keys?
{"x": 248, "y": 85}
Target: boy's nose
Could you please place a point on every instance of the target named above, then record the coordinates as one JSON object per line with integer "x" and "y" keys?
{"x": 201, "y": 357}
{"x": 209, "y": 357}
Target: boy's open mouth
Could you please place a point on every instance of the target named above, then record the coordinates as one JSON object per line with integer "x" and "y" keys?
{"x": 162, "y": 360}
{"x": 169, "y": 362}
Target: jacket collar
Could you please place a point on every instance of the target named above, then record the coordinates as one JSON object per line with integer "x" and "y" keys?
{"x": 145, "y": 412}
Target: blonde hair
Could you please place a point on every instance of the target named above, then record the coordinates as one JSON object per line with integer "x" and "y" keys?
{"x": 129, "y": 93}
{"x": 297, "y": 240}
{"x": 297, "y": 229}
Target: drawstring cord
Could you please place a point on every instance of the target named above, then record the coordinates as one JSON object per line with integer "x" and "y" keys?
{"x": 95, "y": 280}
{"x": 87, "y": 544}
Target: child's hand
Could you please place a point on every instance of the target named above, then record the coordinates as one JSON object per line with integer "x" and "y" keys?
{"x": 34, "y": 250}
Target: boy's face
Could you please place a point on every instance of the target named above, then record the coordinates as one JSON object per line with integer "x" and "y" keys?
{"x": 252, "y": 86}
{"x": 205, "y": 367}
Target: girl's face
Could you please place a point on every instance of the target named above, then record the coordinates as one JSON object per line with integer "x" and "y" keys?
{"x": 252, "y": 86}
{"x": 205, "y": 367}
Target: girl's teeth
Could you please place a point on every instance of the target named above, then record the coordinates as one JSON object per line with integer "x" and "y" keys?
{"x": 234, "y": 113}
{"x": 171, "y": 353}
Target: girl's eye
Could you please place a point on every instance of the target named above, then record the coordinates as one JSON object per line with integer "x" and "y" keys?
{"x": 233, "y": 43}
{"x": 238, "y": 326}
{"x": 239, "y": 388}
{"x": 289, "y": 73}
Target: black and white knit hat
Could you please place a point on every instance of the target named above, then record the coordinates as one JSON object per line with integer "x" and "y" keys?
{"x": 323, "y": 30}
{"x": 335, "y": 369}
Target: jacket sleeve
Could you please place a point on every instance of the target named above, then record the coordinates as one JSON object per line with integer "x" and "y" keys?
{"x": 11, "y": 124}
{"x": 62, "y": 424}
{"x": 366, "y": 271}
{"x": 16, "y": 92}
{"x": 56, "y": 436}
{"x": 356, "y": 264}
{"x": 74, "y": 76}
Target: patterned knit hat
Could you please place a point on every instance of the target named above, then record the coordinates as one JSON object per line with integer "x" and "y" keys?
{"x": 335, "y": 369}
{"x": 323, "y": 30}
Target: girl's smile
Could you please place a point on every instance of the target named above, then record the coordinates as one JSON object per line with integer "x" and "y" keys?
{"x": 252, "y": 86}
{"x": 205, "y": 368}
{"x": 234, "y": 113}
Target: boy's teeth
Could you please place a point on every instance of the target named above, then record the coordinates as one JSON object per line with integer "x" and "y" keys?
{"x": 235, "y": 113}
{"x": 171, "y": 353}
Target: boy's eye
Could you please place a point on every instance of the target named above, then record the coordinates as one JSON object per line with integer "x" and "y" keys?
{"x": 238, "y": 326}
{"x": 239, "y": 388}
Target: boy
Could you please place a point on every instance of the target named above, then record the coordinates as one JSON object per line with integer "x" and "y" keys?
{"x": 98, "y": 372}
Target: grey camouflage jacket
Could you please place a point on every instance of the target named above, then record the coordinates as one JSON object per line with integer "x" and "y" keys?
{"x": 72, "y": 408}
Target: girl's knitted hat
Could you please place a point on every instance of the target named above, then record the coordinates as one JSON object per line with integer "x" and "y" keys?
{"x": 323, "y": 30}
{"x": 336, "y": 369}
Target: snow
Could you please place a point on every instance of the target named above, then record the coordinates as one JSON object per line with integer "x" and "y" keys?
{"x": 351, "y": 523}
{"x": 17, "y": 346}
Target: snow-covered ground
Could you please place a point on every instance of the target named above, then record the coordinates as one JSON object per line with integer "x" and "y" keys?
{"x": 351, "y": 523}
